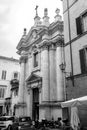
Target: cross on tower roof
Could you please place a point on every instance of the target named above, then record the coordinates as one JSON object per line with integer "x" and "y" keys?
{"x": 36, "y": 10}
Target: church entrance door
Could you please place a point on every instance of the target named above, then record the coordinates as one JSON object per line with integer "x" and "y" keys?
{"x": 35, "y": 109}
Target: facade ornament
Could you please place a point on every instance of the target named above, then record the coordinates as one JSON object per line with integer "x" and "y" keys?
{"x": 25, "y": 30}
{"x": 34, "y": 48}
{"x": 58, "y": 17}
{"x": 28, "y": 90}
{"x": 45, "y": 12}
{"x": 44, "y": 45}
{"x": 34, "y": 34}
{"x": 34, "y": 85}
{"x": 60, "y": 42}
{"x": 52, "y": 46}
{"x": 24, "y": 33}
{"x": 57, "y": 11}
{"x": 46, "y": 18}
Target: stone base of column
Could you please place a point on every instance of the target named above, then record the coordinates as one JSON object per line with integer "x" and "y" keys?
{"x": 50, "y": 110}
{"x": 20, "y": 109}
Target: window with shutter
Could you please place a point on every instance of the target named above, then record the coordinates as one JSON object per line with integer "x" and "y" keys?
{"x": 3, "y": 74}
{"x": 2, "y": 92}
{"x": 84, "y": 22}
{"x": 15, "y": 75}
{"x": 78, "y": 25}
{"x": 81, "y": 24}
{"x": 83, "y": 61}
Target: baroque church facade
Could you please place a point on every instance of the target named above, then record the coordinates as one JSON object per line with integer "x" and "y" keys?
{"x": 41, "y": 87}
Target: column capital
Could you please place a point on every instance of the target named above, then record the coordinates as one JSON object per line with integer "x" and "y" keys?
{"x": 44, "y": 46}
{"x": 60, "y": 42}
{"x": 52, "y": 46}
{"x": 23, "y": 59}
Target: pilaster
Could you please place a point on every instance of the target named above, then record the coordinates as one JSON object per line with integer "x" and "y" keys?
{"x": 60, "y": 76}
{"x": 52, "y": 73}
{"x": 45, "y": 71}
{"x": 23, "y": 60}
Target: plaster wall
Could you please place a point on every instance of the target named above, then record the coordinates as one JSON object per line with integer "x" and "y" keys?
{"x": 75, "y": 11}
{"x": 76, "y": 46}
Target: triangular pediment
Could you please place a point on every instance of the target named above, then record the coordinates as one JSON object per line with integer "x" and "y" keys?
{"x": 33, "y": 78}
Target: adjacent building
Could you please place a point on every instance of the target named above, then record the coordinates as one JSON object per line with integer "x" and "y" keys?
{"x": 41, "y": 88}
{"x": 75, "y": 34}
{"x": 9, "y": 67}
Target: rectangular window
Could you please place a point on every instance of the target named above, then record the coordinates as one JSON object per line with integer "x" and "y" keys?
{"x": 36, "y": 59}
{"x": 83, "y": 60}
{"x": 3, "y": 74}
{"x": 81, "y": 24}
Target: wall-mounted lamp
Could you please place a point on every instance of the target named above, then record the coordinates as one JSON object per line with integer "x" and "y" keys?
{"x": 62, "y": 67}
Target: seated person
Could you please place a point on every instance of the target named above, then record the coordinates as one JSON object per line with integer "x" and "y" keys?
{"x": 59, "y": 122}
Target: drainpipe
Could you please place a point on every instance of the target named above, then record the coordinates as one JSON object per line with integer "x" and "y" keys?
{"x": 70, "y": 42}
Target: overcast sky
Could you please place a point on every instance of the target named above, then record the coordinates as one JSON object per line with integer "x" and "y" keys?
{"x": 15, "y": 15}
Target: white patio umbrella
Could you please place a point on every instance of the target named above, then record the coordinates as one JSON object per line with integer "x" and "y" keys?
{"x": 75, "y": 102}
{"x": 74, "y": 118}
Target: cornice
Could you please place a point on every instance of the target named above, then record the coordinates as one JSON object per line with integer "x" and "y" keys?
{"x": 21, "y": 42}
{"x": 58, "y": 40}
{"x": 55, "y": 27}
{"x": 49, "y": 43}
{"x": 9, "y": 59}
{"x": 50, "y": 104}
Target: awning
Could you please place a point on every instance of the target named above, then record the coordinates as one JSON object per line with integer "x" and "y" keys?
{"x": 75, "y": 102}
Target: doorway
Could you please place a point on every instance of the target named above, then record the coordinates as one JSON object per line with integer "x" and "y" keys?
{"x": 35, "y": 110}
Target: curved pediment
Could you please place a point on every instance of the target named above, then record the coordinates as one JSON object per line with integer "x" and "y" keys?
{"x": 36, "y": 36}
{"x": 31, "y": 37}
{"x": 33, "y": 78}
